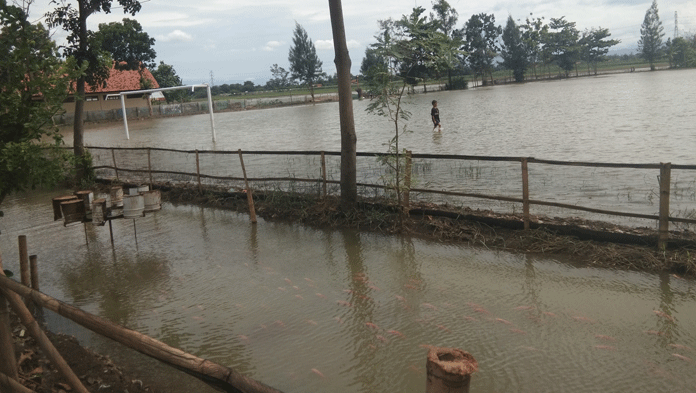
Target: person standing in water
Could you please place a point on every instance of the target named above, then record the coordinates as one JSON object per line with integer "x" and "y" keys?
{"x": 435, "y": 114}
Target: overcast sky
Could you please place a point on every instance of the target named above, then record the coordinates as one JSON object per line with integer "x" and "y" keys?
{"x": 239, "y": 40}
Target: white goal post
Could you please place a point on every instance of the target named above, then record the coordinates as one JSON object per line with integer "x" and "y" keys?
{"x": 123, "y": 94}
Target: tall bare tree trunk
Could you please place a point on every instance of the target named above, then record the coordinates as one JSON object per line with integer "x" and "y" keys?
{"x": 349, "y": 189}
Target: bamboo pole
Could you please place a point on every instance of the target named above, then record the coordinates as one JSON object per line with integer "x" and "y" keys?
{"x": 323, "y": 172}
{"x": 24, "y": 260}
{"x": 8, "y": 362}
{"x": 525, "y": 193}
{"x": 44, "y": 343}
{"x": 11, "y": 385}
{"x": 663, "y": 231}
{"x": 212, "y": 373}
{"x": 198, "y": 173}
{"x": 407, "y": 181}
{"x": 113, "y": 157}
{"x": 250, "y": 197}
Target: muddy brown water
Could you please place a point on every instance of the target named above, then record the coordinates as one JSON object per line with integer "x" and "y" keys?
{"x": 308, "y": 310}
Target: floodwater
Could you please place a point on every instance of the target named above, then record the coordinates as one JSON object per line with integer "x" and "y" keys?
{"x": 308, "y": 310}
{"x": 642, "y": 117}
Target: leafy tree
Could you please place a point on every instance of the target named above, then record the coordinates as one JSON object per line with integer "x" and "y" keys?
{"x": 533, "y": 32}
{"x": 682, "y": 52}
{"x": 481, "y": 35}
{"x": 94, "y": 62}
{"x": 166, "y": 76}
{"x": 514, "y": 52}
{"x": 445, "y": 19}
{"x": 595, "y": 46}
{"x": 563, "y": 40}
{"x": 280, "y": 78}
{"x": 130, "y": 47}
{"x": 651, "y": 33}
{"x": 417, "y": 46}
{"x": 305, "y": 65}
{"x": 33, "y": 85}
{"x": 371, "y": 60}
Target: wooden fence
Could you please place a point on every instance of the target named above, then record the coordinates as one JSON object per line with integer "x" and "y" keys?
{"x": 663, "y": 218}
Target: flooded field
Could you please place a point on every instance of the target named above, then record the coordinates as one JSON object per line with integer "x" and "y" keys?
{"x": 624, "y": 118}
{"x": 308, "y": 310}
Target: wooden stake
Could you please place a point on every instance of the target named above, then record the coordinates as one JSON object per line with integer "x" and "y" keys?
{"x": 198, "y": 173}
{"x": 113, "y": 157}
{"x": 214, "y": 374}
{"x": 34, "y": 270}
{"x": 323, "y": 172}
{"x": 44, "y": 343}
{"x": 149, "y": 165}
{"x": 8, "y": 362}
{"x": 525, "y": 193}
{"x": 407, "y": 181}
{"x": 663, "y": 231}
{"x": 250, "y": 197}
{"x": 24, "y": 261}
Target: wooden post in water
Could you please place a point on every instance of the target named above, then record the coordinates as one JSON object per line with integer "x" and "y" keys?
{"x": 34, "y": 270}
{"x": 113, "y": 157}
{"x": 250, "y": 197}
{"x": 149, "y": 166}
{"x": 449, "y": 370}
{"x": 323, "y": 172}
{"x": 24, "y": 261}
{"x": 407, "y": 182}
{"x": 198, "y": 173}
{"x": 525, "y": 193}
{"x": 663, "y": 231}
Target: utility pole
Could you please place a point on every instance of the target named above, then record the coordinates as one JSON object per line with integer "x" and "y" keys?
{"x": 676, "y": 25}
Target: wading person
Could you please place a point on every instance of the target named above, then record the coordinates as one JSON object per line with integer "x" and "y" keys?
{"x": 435, "y": 114}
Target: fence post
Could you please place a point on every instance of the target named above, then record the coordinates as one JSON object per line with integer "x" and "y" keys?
{"x": 663, "y": 231}
{"x": 407, "y": 181}
{"x": 198, "y": 173}
{"x": 250, "y": 197}
{"x": 34, "y": 271}
{"x": 24, "y": 261}
{"x": 149, "y": 167}
{"x": 525, "y": 193}
{"x": 8, "y": 362}
{"x": 323, "y": 172}
{"x": 113, "y": 157}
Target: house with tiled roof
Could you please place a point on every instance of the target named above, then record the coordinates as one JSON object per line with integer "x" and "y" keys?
{"x": 119, "y": 81}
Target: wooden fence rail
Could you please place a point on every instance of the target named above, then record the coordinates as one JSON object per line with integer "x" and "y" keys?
{"x": 663, "y": 218}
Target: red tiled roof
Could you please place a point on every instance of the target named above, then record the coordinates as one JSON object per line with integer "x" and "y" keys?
{"x": 123, "y": 81}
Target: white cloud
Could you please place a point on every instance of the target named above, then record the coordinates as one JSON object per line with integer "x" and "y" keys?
{"x": 176, "y": 35}
{"x": 324, "y": 44}
{"x": 272, "y": 45}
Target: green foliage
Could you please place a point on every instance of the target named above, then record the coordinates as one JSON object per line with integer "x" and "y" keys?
{"x": 280, "y": 78}
{"x": 594, "y": 46}
{"x": 305, "y": 65}
{"x": 682, "y": 52}
{"x": 651, "y": 33}
{"x": 514, "y": 52}
{"x": 532, "y": 33}
{"x": 166, "y": 76}
{"x": 130, "y": 47}
{"x": 481, "y": 36}
{"x": 33, "y": 85}
{"x": 562, "y": 39}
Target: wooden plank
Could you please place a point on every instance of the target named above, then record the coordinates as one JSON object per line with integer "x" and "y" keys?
{"x": 212, "y": 373}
